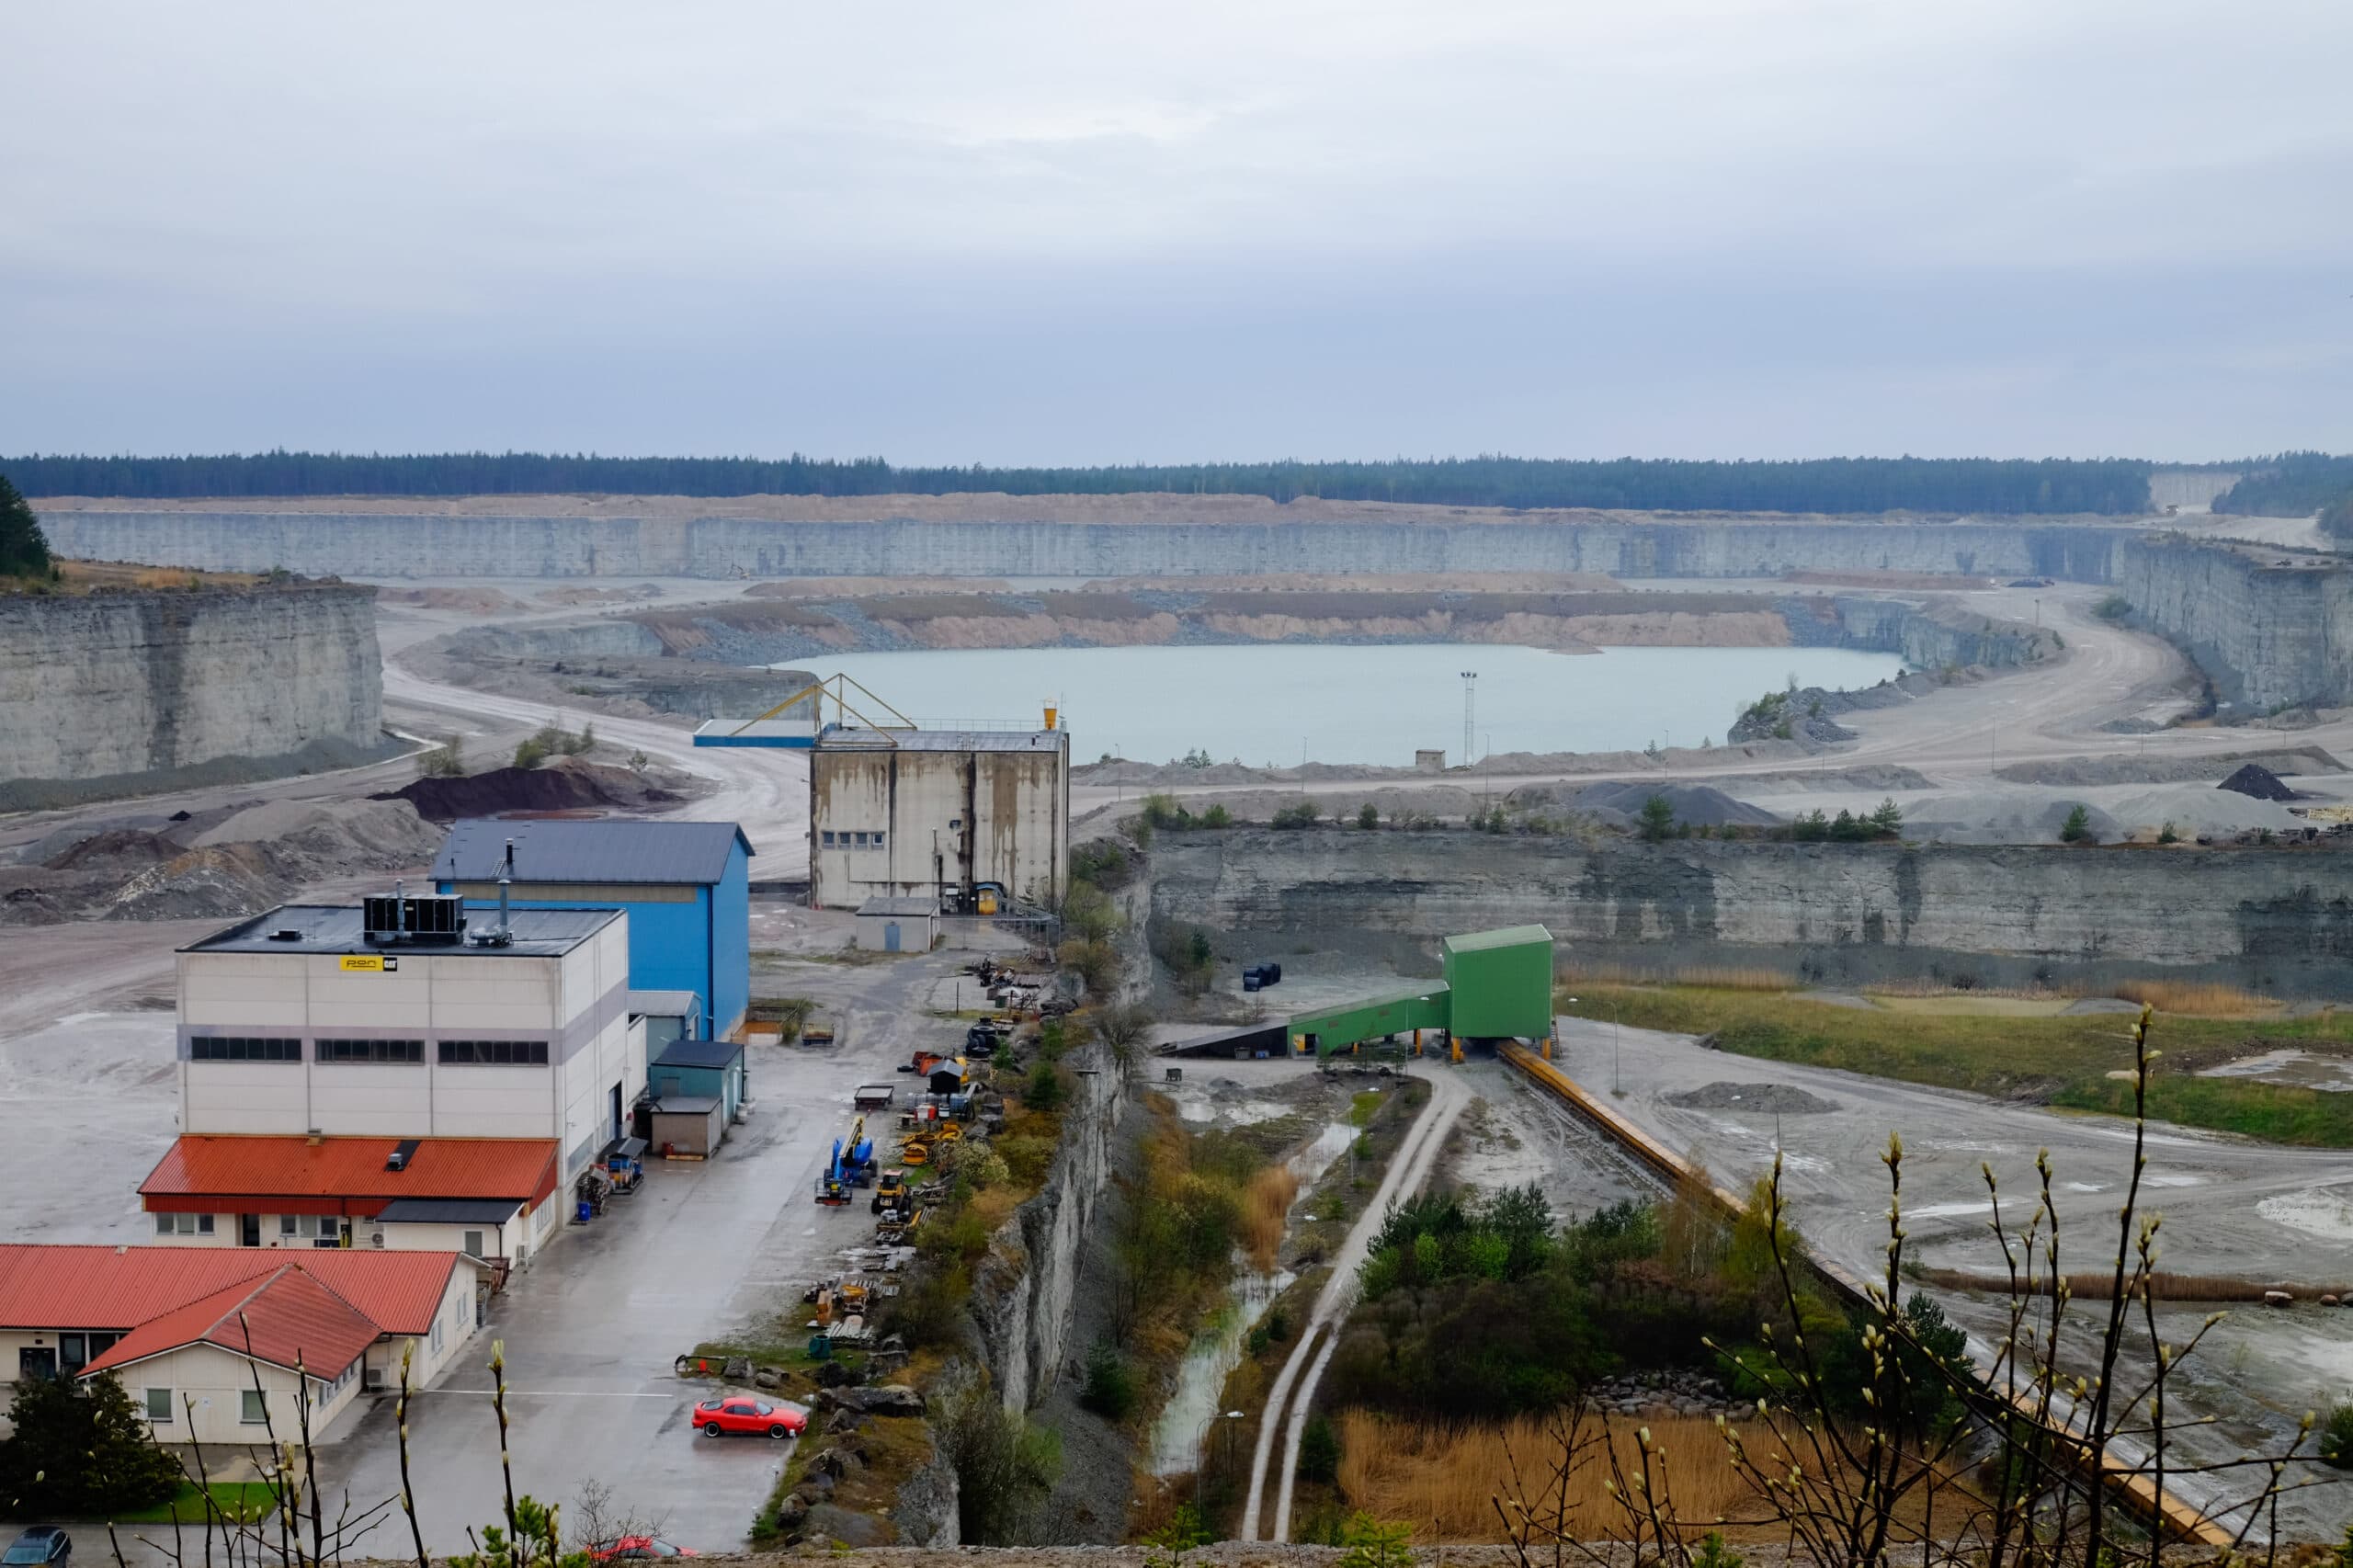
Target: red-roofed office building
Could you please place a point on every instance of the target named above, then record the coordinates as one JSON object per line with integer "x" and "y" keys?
{"x": 489, "y": 1198}
{"x": 190, "y": 1331}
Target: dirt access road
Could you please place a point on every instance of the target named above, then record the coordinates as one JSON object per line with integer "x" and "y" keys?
{"x": 1450, "y": 1096}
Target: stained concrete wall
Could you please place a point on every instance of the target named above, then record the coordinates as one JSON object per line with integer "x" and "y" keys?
{"x": 130, "y": 683}
{"x": 405, "y": 545}
{"x": 2270, "y": 625}
{"x": 2279, "y": 920}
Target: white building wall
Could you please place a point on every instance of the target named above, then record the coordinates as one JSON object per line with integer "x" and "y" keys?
{"x": 215, "y": 1380}
{"x": 476, "y": 996}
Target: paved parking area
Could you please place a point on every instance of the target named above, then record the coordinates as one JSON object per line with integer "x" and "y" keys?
{"x": 592, "y": 1327}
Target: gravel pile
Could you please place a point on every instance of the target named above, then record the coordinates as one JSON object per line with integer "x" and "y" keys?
{"x": 1785, "y": 1099}
{"x": 2257, "y": 783}
{"x": 1698, "y": 804}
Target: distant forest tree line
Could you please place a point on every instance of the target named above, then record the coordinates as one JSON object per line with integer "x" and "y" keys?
{"x": 1850, "y": 485}
{"x": 2295, "y": 484}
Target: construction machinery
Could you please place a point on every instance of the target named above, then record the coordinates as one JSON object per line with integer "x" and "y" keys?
{"x": 899, "y": 1228}
{"x": 852, "y": 1164}
{"x": 891, "y": 1190}
{"x": 920, "y": 1149}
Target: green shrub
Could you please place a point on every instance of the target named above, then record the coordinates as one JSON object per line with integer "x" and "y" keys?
{"x": 1319, "y": 1452}
{"x": 1042, "y": 1090}
{"x": 2116, "y": 606}
{"x": 1368, "y": 815}
{"x": 1298, "y": 814}
{"x": 1217, "y": 816}
{"x": 2077, "y": 828}
{"x": 1111, "y": 1387}
{"x": 2337, "y": 1438}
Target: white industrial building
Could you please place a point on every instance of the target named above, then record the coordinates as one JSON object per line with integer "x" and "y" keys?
{"x": 304, "y": 1021}
{"x": 399, "y": 1075}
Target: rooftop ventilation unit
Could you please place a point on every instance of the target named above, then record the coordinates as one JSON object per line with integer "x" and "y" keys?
{"x": 402, "y": 1153}
{"x": 434, "y": 920}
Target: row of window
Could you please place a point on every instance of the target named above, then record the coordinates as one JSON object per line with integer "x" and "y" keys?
{"x": 499, "y": 1052}
{"x": 238, "y": 1048}
{"x": 850, "y": 840}
{"x": 496, "y": 1053}
{"x": 160, "y": 1409}
{"x": 411, "y": 1051}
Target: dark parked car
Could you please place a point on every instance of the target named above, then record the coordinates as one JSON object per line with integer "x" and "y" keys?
{"x": 39, "y": 1545}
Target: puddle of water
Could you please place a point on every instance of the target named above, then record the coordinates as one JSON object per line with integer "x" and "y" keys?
{"x": 2316, "y": 1212}
{"x": 1201, "y": 1377}
{"x": 2301, "y": 1069}
{"x": 2173, "y": 1181}
{"x": 1309, "y": 1164}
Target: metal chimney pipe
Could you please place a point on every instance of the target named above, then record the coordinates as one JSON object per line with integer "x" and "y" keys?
{"x": 506, "y": 877}
{"x": 400, "y": 907}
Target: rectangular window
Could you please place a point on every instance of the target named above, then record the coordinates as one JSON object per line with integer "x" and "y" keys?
{"x": 249, "y": 1407}
{"x": 403, "y": 1052}
{"x": 473, "y": 1243}
{"x": 878, "y": 841}
{"x": 164, "y": 1225}
{"x": 204, "y": 1224}
{"x": 73, "y": 1351}
{"x": 436, "y": 1336}
{"x": 495, "y": 1052}
{"x": 827, "y": 839}
{"x": 242, "y": 1048}
{"x": 287, "y": 1226}
{"x": 159, "y": 1405}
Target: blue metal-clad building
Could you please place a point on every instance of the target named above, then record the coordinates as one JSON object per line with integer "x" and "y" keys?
{"x": 687, "y": 886}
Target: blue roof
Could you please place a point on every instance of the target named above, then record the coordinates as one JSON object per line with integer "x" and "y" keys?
{"x": 614, "y": 849}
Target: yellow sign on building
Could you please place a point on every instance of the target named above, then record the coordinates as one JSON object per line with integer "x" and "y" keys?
{"x": 363, "y": 961}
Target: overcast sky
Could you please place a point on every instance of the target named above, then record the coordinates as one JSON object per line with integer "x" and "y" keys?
{"x": 1029, "y": 232}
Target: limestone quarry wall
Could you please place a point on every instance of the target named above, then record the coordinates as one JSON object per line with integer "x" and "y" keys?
{"x": 1024, "y": 1291}
{"x": 2279, "y": 920}
{"x": 393, "y": 545}
{"x": 116, "y": 683}
{"x": 2270, "y": 625}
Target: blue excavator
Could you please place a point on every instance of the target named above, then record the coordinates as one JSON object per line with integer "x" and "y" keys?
{"x": 851, "y": 1165}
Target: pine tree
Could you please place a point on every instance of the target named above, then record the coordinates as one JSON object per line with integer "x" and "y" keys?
{"x": 81, "y": 1452}
{"x": 24, "y": 548}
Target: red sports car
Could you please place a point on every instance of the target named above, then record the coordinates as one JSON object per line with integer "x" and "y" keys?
{"x": 631, "y": 1548}
{"x": 717, "y": 1417}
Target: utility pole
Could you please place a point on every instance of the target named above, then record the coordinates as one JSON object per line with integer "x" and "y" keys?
{"x": 1470, "y": 707}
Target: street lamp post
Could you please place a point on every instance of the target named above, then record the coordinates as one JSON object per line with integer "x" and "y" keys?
{"x": 1202, "y": 1448}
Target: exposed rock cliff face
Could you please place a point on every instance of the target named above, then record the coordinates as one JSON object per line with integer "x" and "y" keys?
{"x": 1031, "y": 540}
{"x": 137, "y": 683}
{"x": 1024, "y": 1291}
{"x": 2270, "y": 625}
{"x": 2280, "y": 919}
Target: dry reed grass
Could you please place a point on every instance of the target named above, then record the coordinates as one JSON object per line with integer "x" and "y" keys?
{"x": 1264, "y": 1208}
{"x": 1444, "y": 1481}
{"x": 1713, "y": 977}
{"x": 2196, "y": 998}
{"x": 1923, "y": 985}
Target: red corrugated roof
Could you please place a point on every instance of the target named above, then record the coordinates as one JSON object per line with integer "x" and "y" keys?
{"x": 117, "y": 1288}
{"x": 258, "y": 1167}
{"x": 284, "y": 1317}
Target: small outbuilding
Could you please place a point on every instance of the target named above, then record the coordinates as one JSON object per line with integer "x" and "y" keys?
{"x": 898, "y": 925}
{"x": 687, "y": 1124}
{"x": 702, "y": 1068}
